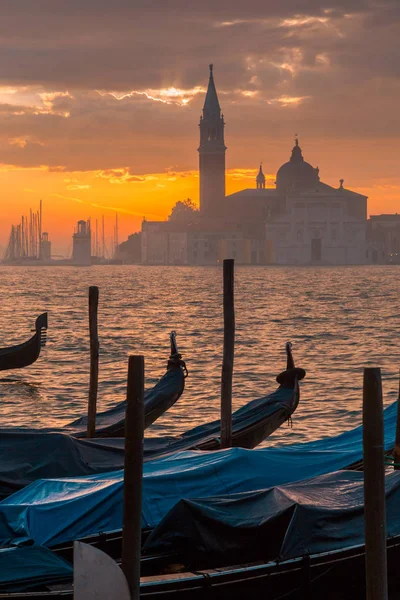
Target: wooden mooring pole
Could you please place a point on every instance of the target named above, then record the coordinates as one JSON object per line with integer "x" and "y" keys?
{"x": 374, "y": 487}
{"x": 94, "y": 360}
{"x": 228, "y": 354}
{"x": 134, "y": 432}
{"x": 396, "y": 450}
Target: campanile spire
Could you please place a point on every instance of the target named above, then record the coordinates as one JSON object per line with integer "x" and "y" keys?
{"x": 260, "y": 179}
{"x": 211, "y": 152}
{"x": 211, "y": 106}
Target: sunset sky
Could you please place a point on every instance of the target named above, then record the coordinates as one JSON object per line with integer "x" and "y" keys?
{"x": 100, "y": 101}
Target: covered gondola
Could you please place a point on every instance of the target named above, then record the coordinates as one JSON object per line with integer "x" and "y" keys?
{"x": 301, "y": 540}
{"x": 25, "y": 354}
{"x": 304, "y": 537}
{"x": 251, "y": 424}
{"x": 167, "y": 391}
{"x": 39, "y": 454}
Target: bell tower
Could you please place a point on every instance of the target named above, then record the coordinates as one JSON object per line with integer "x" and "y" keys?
{"x": 211, "y": 153}
{"x": 260, "y": 179}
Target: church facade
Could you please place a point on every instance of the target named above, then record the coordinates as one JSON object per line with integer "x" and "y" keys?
{"x": 299, "y": 222}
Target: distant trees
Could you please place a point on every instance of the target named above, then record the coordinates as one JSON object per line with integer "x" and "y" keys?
{"x": 184, "y": 211}
{"x": 131, "y": 250}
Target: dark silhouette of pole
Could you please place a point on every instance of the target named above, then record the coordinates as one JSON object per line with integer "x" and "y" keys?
{"x": 396, "y": 450}
{"x": 374, "y": 487}
{"x": 94, "y": 360}
{"x": 134, "y": 432}
{"x": 228, "y": 355}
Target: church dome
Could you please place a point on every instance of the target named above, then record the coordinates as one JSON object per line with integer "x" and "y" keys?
{"x": 296, "y": 175}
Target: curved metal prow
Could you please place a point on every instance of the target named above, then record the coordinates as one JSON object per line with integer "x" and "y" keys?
{"x": 175, "y": 359}
{"x": 41, "y": 328}
{"x": 289, "y": 356}
{"x": 41, "y": 322}
{"x": 174, "y": 346}
{"x": 97, "y": 575}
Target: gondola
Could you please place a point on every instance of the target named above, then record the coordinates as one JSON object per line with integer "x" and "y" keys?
{"x": 251, "y": 424}
{"x": 72, "y": 501}
{"x": 25, "y": 354}
{"x": 39, "y": 454}
{"x": 330, "y": 575}
{"x": 167, "y": 391}
{"x": 304, "y": 540}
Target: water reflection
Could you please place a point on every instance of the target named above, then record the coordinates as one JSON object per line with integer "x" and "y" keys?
{"x": 339, "y": 320}
{"x": 18, "y": 387}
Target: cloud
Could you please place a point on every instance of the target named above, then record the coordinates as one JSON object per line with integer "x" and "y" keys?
{"x": 123, "y": 175}
{"x": 117, "y": 88}
{"x": 77, "y": 186}
{"x": 289, "y": 100}
{"x": 114, "y": 209}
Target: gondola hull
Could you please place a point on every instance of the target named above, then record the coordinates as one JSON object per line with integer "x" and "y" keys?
{"x": 327, "y": 575}
{"x": 251, "y": 436}
{"x": 25, "y": 354}
{"x": 111, "y": 423}
{"x": 167, "y": 391}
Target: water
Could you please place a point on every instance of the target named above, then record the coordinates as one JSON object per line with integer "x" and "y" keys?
{"x": 339, "y": 319}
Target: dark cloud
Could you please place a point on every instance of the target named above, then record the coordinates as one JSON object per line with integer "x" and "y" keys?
{"x": 121, "y": 44}
{"x": 326, "y": 68}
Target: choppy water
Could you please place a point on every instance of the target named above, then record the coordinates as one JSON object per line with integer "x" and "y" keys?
{"x": 339, "y": 320}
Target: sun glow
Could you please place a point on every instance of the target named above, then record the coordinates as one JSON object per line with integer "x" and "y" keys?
{"x": 300, "y": 21}
{"x": 285, "y": 101}
{"x": 171, "y": 95}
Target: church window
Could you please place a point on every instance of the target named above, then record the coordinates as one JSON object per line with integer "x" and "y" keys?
{"x": 334, "y": 235}
{"x": 299, "y": 235}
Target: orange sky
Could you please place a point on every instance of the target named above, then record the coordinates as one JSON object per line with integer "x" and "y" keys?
{"x": 69, "y": 196}
{"x": 99, "y": 105}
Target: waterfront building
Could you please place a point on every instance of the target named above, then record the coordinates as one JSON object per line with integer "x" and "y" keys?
{"x": 82, "y": 244}
{"x": 45, "y": 247}
{"x": 384, "y": 239}
{"x": 301, "y": 221}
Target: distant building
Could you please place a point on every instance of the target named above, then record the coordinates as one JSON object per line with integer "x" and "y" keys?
{"x": 82, "y": 244}
{"x": 301, "y": 221}
{"x": 211, "y": 153}
{"x": 45, "y": 247}
{"x": 311, "y": 222}
{"x": 384, "y": 239}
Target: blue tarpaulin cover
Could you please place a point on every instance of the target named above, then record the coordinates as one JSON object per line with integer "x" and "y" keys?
{"x": 28, "y": 455}
{"x": 30, "y": 566}
{"x": 55, "y": 511}
{"x": 289, "y": 521}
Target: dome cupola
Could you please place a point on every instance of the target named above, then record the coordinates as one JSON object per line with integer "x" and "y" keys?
{"x": 297, "y": 174}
